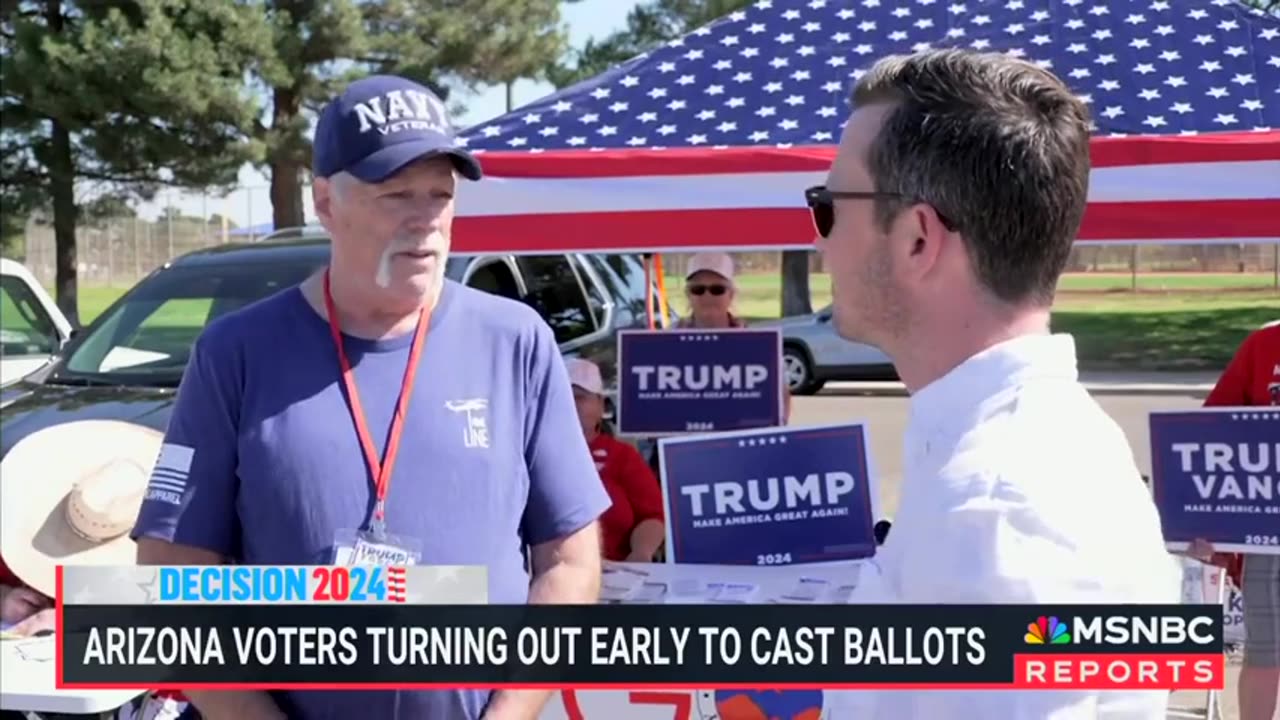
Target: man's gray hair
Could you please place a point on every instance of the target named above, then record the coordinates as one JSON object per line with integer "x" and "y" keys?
{"x": 342, "y": 181}
{"x": 998, "y": 146}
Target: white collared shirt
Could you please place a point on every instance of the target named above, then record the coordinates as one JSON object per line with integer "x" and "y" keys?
{"x": 1018, "y": 488}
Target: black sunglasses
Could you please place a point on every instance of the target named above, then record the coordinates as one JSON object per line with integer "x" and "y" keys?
{"x": 822, "y": 205}
{"x": 703, "y": 289}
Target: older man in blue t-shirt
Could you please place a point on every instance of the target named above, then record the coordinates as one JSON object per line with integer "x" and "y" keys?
{"x": 286, "y": 446}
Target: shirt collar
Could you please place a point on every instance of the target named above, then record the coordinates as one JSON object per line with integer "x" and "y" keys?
{"x": 999, "y": 367}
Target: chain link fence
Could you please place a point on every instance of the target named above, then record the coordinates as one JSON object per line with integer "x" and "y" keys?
{"x": 117, "y": 252}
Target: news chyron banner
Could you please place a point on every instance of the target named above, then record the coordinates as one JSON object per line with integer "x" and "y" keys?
{"x": 672, "y": 382}
{"x": 282, "y": 627}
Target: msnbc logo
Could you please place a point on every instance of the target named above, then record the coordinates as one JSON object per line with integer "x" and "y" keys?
{"x": 1047, "y": 631}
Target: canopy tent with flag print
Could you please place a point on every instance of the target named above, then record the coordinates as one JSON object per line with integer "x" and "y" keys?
{"x": 709, "y": 141}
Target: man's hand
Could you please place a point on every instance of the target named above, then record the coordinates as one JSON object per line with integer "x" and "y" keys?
{"x": 211, "y": 704}
{"x": 21, "y": 603}
{"x": 1201, "y": 550}
{"x": 565, "y": 572}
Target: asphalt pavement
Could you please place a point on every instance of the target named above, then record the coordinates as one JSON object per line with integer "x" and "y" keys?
{"x": 1128, "y": 399}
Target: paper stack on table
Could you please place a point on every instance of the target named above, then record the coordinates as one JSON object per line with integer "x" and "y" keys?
{"x": 661, "y": 583}
{"x": 620, "y": 584}
{"x": 29, "y": 649}
{"x": 649, "y": 593}
{"x": 733, "y": 592}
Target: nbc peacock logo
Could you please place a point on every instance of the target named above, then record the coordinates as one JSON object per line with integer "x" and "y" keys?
{"x": 1047, "y": 631}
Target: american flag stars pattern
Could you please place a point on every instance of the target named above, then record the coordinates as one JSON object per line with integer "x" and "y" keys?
{"x": 778, "y": 74}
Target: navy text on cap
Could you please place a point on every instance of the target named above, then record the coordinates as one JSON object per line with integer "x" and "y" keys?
{"x": 382, "y": 123}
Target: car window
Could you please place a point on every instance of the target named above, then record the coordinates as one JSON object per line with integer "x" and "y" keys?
{"x": 554, "y": 290}
{"x": 624, "y": 275}
{"x": 147, "y": 336}
{"x": 25, "y": 327}
{"x": 495, "y": 277}
{"x": 596, "y": 299}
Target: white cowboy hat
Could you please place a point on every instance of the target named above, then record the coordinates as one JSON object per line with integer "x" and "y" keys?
{"x": 70, "y": 494}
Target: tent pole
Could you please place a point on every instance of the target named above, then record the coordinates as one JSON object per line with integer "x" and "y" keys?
{"x": 648, "y": 290}
{"x": 662, "y": 289}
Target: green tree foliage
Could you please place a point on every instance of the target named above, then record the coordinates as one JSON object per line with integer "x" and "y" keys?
{"x": 103, "y": 102}
{"x": 1271, "y": 6}
{"x": 318, "y": 47}
{"x": 648, "y": 26}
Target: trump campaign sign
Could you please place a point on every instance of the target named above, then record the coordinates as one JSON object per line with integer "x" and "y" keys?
{"x": 1214, "y": 474}
{"x": 768, "y": 497}
{"x": 683, "y": 381}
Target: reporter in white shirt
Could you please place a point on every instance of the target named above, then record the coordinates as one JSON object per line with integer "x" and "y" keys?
{"x": 946, "y": 221}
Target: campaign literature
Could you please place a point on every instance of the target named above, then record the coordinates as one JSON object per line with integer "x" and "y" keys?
{"x": 1215, "y": 474}
{"x": 768, "y": 497}
{"x": 689, "y": 381}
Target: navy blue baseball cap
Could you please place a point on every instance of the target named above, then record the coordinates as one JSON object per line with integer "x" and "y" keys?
{"x": 382, "y": 123}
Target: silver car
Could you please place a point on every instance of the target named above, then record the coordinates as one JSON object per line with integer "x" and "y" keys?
{"x": 813, "y": 354}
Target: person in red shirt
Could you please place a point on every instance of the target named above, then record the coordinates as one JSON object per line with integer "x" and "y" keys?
{"x": 1252, "y": 379}
{"x": 632, "y": 528}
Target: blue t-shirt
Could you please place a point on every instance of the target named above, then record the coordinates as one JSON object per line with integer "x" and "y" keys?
{"x": 262, "y": 464}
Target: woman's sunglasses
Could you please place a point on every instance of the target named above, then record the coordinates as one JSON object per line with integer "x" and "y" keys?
{"x": 704, "y": 289}
{"x": 822, "y": 205}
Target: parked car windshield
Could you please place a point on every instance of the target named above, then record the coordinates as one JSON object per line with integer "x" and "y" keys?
{"x": 145, "y": 338}
{"x": 25, "y": 327}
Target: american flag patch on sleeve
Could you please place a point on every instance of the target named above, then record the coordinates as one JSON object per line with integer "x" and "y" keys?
{"x": 170, "y": 474}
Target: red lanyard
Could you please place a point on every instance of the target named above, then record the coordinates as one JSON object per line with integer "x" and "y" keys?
{"x": 380, "y": 470}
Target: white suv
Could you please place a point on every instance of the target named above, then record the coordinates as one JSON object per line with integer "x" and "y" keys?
{"x": 32, "y": 329}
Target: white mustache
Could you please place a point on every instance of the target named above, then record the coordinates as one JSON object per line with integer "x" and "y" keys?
{"x": 409, "y": 244}
{"x": 399, "y": 245}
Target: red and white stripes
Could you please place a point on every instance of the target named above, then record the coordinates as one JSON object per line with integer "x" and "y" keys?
{"x": 396, "y": 584}
{"x": 1218, "y": 188}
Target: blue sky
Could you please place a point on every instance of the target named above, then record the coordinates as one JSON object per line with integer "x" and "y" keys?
{"x": 251, "y": 205}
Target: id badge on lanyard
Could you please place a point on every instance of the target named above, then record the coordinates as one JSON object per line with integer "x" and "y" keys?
{"x": 365, "y": 547}
{"x": 375, "y": 546}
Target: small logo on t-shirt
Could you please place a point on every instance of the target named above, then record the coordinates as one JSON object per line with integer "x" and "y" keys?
{"x": 170, "y": 474}
{"x": 475, "y": 434}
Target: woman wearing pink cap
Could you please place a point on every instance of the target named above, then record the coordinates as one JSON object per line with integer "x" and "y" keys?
{"x": 709, "y": 288}
{"x": 710, "y": 291}
{"x": 632, "y": 528}
{"x": 708, "y": 284}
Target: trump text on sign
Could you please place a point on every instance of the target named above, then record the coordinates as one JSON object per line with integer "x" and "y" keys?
{"x": 768, "y": 497}
{"x": 683, "y": 381}
{"x": 1214, "y": 474}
